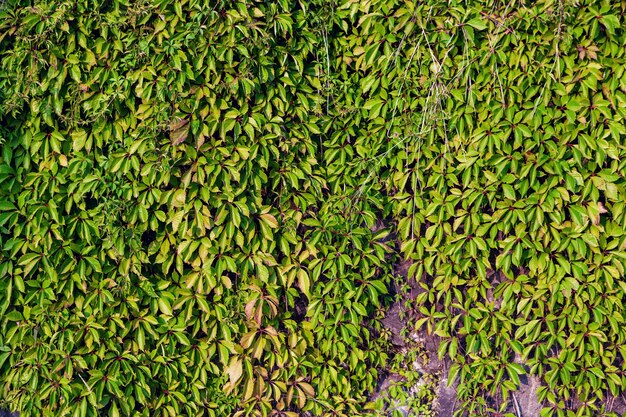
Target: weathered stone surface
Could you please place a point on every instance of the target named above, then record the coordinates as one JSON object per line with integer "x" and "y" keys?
{"x": 524, "y": 401}
{"x": 395, "y": 324}
{"x": 446, "y": 401}
{"x": 616, "y": 405}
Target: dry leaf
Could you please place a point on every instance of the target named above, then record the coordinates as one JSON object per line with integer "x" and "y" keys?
{"x": 601, "y": 210}
{"x": 179, "y": 131}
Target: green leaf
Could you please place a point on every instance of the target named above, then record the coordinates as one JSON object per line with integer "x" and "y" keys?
{"x": 14, "y": 316}
{"x": 304, "y": 282}
{"x": 79, "y": 137}
{"x": 452, "y": 374}
{"x": 477, "y": 23}
{"x": 178, "y": 200}
{"x": 508, "y": 191}
{"x": 525, "y": 131}
{"x": 610, "y": 22}
{"x": 6, "y": 205}
{"x": 164, "y": 306}
{"x": 263, "y": 272}
{"x": 270, "y": 220}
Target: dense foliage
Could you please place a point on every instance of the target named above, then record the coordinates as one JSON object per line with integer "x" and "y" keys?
{"x": 200, "y": 201}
